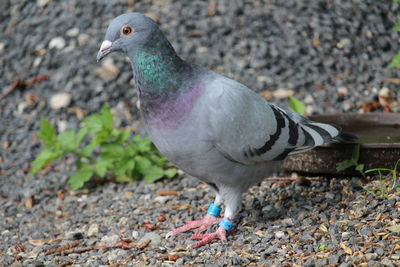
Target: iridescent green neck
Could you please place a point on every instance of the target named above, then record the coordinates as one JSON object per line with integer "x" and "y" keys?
{"x": 158, "y": 70}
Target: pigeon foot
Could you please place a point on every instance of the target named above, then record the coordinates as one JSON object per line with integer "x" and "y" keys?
{"x": 207, "y": 238}
{"x": 198, "y": 225}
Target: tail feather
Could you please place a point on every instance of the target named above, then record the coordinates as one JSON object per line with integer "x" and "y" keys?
{"x": 328, "y": 133}
{"x": 345, "y": 137}
{"x": 316, "y": 133}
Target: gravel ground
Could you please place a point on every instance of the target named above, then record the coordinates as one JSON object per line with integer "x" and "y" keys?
{"x": 331, "y": 54}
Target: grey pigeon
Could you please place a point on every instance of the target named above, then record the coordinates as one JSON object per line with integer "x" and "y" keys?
{"x": 211, "y": 127}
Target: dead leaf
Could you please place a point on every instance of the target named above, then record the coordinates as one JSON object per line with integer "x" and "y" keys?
{"x": 144, "y": 244}
{"x": 182, "y": 207}
{"x": 6, "y": 144}
{"x": 347, "y": 250}
{"x": 266, "y": 95}
{"x": 19, "y": 248}
{"x": 149, "y": 225}
{"x": 153, "y": 16}
{"x": 161, "y": 218}
{"x": 61, "y": 195}
{"x": 370, "y": 106}
{"x": 167, "y": 193}
{"x": 38, "y": 242}
{"x": 323, "y": 228}
{"x": 29, "y": 202}
{"x": 394, "y": 228}
{"x": 41, "y": 51}
{"x": 173, "y": 257}
{"x": 80, "y": 113}
{"x": 283, "y": 93}
{"x": 316, "y": 41}
{"x": 393, "y": 80}
{"x": 211, "y": 10}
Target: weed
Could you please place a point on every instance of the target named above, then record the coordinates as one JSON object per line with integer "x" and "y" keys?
{"x": 108, "y": 150}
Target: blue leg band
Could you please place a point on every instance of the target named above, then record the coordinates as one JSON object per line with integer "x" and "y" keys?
{"x": 226, "y": 224}
{"x": 214, "y": 210}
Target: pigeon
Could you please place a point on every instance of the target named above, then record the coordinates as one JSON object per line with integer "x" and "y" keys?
{"x": 213, "y": 128}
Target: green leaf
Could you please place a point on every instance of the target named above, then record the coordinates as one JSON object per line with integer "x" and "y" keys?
{"x": 360, "y": 167}
{"x": 67, "y": 140}
{"x": 106, "y": 117}
{"x": 101, "y": 137}
{"x": 395, "y": 61}
{"x": 112, "y": 150}
{"x": 123, "y": 136}
{"x": 47, "y": 133}
{"x": 79, "y": 178}
{"x": 87, "y": 150}
{"x": 142, "y": 164}
{"x": 341, "y": 166}
{"x": 143, "y": 144}
{"x": 296, "y": 105}
{"x": 81, "y": 136}
{"x": 81, "y": 165}
{"x": 44, "y": 158}
{"x": 94, "y": 123}
{"x": 125, "y": 166}
{"x": 158, "y": 159}
{"x": 170, "y": 172}
{"x": 101, "y": 167}
{"x": 123, "y": 178}
{"x": 356, "y": 154}
{"x": 378, "y": 169}
{"x": 322, "y": 247}
{"x": 152, "y": 174}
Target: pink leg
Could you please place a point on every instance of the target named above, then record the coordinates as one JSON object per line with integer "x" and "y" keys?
{"x": 207, "y": 238}
{"x": 198, "y": 225}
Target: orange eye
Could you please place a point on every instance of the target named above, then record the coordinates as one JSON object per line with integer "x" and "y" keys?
{"x": 126, "y": 30}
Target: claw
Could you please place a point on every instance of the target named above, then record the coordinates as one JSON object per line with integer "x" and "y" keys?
{"x": 168, "y": 235}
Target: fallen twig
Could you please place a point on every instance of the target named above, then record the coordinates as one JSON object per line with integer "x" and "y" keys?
{"x": 22, "y": 83}
{"x": 71, "y": 248}
{"x": 60, "y": 249}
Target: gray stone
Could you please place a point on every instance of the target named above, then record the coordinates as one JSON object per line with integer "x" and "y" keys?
{"x": 155, "y": 239}
{"x": 110, "y": 239}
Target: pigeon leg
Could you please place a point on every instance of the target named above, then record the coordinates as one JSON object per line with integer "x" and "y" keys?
{"x": 233, "y": 203}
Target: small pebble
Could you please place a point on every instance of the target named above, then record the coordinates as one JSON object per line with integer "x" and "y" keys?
{"x": 57, "y": 43}
{"x": 60, "y": 100}
{"x": 73, "y": 32}
{"x": 93, "y": 230}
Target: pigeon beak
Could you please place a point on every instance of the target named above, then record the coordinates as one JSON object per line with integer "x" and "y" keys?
{"x": 105, "y": 49}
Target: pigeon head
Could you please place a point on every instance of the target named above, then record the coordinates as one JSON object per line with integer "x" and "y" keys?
{"x": 129, "y": 33}
{"x": 156, "y": 67}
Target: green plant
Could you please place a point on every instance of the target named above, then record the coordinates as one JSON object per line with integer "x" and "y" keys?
{"x": 353, "y": 162}
{"x": 383, "y": 188}
{"x": 396, "y": 59}
{"x": 296, "y": 105}
{"x": 108, "y": 150}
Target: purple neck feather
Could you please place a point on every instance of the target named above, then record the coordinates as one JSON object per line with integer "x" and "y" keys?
{"x": 169, "y": 112}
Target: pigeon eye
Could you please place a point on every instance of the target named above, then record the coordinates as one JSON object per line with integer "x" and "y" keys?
{"x": 126, "y": 30}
